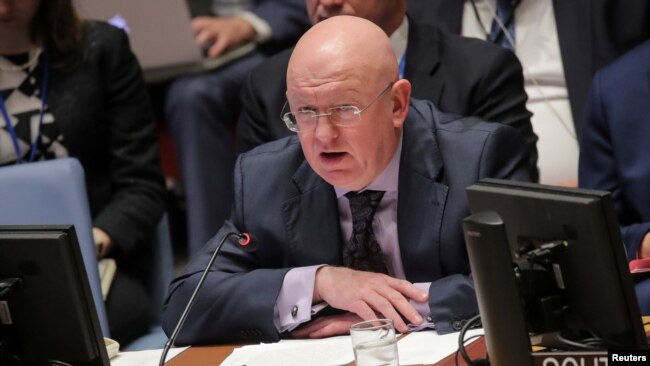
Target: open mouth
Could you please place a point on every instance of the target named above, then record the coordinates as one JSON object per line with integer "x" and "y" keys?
{"x": 332, "y": 156}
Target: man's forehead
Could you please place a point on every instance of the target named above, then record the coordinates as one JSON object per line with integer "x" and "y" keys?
{"x": 336, "y": 82}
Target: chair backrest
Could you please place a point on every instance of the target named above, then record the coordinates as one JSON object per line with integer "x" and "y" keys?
{"x": 162, "y": 270}
{"x": 53, "y": 192}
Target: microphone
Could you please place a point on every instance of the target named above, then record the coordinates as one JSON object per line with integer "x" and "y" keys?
{"x": 247, "y": 243}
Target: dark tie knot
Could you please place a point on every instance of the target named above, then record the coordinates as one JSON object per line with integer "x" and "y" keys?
{"x": 364, "y": 203}
{"x": 362, "y": 251}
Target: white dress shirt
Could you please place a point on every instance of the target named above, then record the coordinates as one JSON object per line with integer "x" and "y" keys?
{"x": 538, "y": 49}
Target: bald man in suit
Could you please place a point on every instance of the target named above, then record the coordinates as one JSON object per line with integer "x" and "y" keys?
{"x": 360, "y": 142}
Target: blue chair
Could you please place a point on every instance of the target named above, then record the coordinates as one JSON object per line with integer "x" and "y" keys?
{"x": 54, "y": 192}
{"x": 50, "y": 193}
{"x": 161, "y": 276}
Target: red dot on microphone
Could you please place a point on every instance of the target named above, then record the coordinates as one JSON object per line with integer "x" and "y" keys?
{"x": 244, "y": 240}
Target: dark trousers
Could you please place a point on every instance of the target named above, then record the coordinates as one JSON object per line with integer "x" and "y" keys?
{"x": 128, "y": 309}
{"x": 201, "y": 111}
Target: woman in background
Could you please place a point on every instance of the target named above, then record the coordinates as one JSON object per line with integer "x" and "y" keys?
{"x": 73, "y": 88}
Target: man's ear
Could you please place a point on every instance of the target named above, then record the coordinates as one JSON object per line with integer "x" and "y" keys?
{"x": 401, "y": 94}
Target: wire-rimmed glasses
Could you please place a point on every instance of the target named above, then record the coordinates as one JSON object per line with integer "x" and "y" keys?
{"x": 343, "y": 115}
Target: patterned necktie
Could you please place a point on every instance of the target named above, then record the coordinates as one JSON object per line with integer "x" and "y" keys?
{"x": 362, "y": 251}
{"x": 506, "y": 13}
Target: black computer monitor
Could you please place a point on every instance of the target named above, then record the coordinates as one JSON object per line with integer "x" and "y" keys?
{"x": 550, "y": 261}
{"x": 48, "y": 313}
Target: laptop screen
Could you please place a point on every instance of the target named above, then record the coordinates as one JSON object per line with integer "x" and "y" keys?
{"x": 159, "y": 30}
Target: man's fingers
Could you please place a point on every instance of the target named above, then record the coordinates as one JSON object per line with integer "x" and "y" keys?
{"x": 218, "y": 47}
{"x": 327, "y": 326}
{"x": 362, "y": 309}
{"x": 304, "y": 331}
{"x": 402, "y": 305}
{"x": 203, "y": 38}
{"x": 409, "y": 290}
{"x": 200, "y": 23}
{"x": 336, "y": 327}
{"x": 369, "y": 295}
{"x": 374, "y": 301}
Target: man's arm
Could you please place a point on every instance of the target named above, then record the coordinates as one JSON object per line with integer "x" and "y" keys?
{"x": 237, "y": 299}
{"x": 452, "y": 299}
{"x": 287, "y": 19}
{"x": 598, "y": 169}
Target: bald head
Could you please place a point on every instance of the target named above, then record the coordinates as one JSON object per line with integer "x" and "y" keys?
{"x": 342, "y": 47}
{"x": 346, "y": 100}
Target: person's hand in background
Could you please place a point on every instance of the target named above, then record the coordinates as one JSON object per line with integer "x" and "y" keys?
{"x": 219, "y": 34}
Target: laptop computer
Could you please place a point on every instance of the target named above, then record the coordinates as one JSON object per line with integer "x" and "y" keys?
{"x": 160, "y": 34}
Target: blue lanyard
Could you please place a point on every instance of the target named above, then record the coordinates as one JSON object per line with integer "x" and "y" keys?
{"x": 402, "y": 65}
{"x": 10, "y": 127}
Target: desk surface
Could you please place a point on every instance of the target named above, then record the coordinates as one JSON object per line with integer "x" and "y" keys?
{"x": 214, "y": 355}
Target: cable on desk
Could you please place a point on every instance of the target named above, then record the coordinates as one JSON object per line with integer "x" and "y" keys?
{"x": 461, "y": 344}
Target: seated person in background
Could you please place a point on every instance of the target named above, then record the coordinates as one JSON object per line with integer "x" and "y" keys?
{"x": 362, "y": 145}
{"x": 459, "y": 75}
{"x": 73, "y": 88}
{"x": 560, "y": 44}
{"x": 615, "y": 152}
{"x": 201, "y": 110}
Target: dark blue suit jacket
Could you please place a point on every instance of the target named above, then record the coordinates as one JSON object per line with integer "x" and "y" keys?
{"x": 293, "y": 213}
{"x": 615, "y": 149}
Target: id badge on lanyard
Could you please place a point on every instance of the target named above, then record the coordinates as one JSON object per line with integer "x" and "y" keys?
{"x": 7, "y": 118}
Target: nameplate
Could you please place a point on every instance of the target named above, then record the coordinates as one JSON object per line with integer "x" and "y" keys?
{"x": 573, "y": 358}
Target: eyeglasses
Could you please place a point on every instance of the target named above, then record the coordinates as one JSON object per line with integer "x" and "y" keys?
{"x": 343, "y": 115}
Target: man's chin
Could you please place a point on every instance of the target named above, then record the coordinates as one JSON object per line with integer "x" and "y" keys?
{"x": 343, "y": 180}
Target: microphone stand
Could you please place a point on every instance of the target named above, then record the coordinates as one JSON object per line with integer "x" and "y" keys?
{"x": 244, "y": 240}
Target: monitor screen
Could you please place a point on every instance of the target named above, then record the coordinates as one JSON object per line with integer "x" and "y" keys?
{"x": 561, "y": 251}
{"x": 48, "y": 314}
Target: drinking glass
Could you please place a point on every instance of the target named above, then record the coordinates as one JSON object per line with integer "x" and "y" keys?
{"x": 374, "y": 343}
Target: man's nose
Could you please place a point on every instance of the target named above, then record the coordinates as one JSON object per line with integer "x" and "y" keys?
{"x": 325, "y": 129}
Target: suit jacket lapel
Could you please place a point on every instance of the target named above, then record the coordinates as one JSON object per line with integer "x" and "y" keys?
{"x": 421, "y": 200}
{"x": 312, "y": 221}
{"x": 449, "y": 15}
{"x": 422, "y": 62}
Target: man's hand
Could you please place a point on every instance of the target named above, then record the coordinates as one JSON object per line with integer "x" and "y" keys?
{"x": 220, "y": 34}
{"x": 369, "y": 295}
{"x": 327, "y": 326}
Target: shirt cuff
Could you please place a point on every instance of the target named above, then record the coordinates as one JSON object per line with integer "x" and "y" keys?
{"x": 294, "y": 306}
{"x": 423, "y": 309}
{"x": 262, "y": 28}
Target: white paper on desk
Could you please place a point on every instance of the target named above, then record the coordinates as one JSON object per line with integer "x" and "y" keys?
{"x": 427, "y": 347}
{"x": 335, "y": 351}
{"x": 144, "y": 358}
